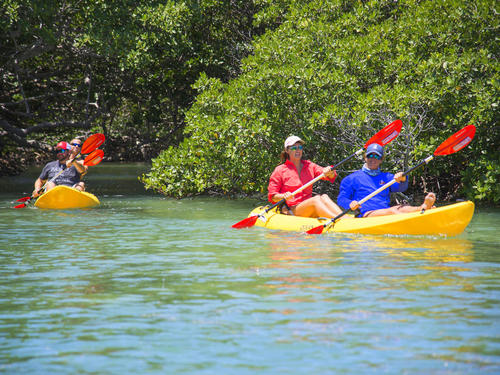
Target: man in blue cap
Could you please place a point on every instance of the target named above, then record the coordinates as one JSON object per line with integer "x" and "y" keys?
{"x": 362, "y": 183}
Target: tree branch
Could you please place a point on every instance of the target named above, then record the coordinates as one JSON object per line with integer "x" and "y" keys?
{"x": 62, "y": 124}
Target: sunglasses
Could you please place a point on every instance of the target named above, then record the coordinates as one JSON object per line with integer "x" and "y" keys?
{"x": 374, "y": 156}
{"x": 76, "y": 144}
{"x": 61, "y": 151}
{"x": 293, "y": 148}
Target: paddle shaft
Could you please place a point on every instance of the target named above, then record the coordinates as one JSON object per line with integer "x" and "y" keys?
{"x": 282, "y": 201}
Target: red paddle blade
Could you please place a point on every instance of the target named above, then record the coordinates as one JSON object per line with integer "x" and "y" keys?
{"x": 457, "y": 141}
{"x": 94, "y": 158}
{"x": 92, "y": 143}
{"x": 316, "y": 230}
{"x": 387, "y": 134}
{"x": 245, "y": 223}
{"x": 22, "y": 205}
{"x": 23, "y": 199}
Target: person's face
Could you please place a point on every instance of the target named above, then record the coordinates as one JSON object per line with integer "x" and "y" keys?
{"x": 295, "y": 151}
{"x": 76, "y": 145}
{"x": 373, "y": 160}
{"x": 61, "y": 154}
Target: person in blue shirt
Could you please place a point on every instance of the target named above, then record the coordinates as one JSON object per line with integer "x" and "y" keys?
{"x": 361, "y": 183}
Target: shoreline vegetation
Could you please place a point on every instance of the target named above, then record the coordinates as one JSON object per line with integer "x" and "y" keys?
{"x": 207, "y": 91}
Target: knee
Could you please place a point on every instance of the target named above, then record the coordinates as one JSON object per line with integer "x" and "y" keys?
{"x": 317, "y": 199}
{"x": 326, "y": 198}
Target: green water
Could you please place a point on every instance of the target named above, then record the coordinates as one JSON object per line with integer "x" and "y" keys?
{"x": 145, "y": 284}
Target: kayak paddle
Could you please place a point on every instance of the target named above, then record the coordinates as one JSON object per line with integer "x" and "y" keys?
{"x": 383, "y": 137}
{"x": 90, "y": 145}
{"x": 92, "y": 142}
{"x": 453, "y": 144}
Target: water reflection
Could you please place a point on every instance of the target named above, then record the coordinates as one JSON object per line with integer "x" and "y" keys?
{"x": 290, "y": 250}
{"x": 338, "y": 265}
{"x": 147, "y": 284}
{"x": 438, "y": 249}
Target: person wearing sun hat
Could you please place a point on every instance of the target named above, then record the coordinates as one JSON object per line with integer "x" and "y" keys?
{"x": 71, "y": 175}
{"x": 291, "y": 174}
{"x": 369, "y": 178}
{"x": 76, "y": 160}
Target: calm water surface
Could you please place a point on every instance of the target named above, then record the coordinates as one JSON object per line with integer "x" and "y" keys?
{"x": 145, "y": 284}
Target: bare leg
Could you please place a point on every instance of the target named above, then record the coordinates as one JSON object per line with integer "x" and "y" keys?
{"x": 317, "y": 206}
{"x": 401, "y": 209}
{"x": 332, "y": 206}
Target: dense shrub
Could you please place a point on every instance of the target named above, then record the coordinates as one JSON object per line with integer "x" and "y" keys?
{"x": 333, "y": 73}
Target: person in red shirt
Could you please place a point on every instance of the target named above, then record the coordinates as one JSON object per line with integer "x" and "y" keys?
{"x": 295, "y": 172}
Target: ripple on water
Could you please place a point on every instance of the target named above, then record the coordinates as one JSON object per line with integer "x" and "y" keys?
{"x": 145, "y": 284}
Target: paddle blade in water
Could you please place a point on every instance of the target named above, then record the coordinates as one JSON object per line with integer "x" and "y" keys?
{"x": 316, "y": 230}
{"x": 387, "y": 134}
{"x": 245, "y": 223}
{"x": 457, "y": 141}
{"x": 23, "y": 199}
{"x": 92, "y": 143}
{"x": 94, "y": 158}
{"x": 22, "y": 205}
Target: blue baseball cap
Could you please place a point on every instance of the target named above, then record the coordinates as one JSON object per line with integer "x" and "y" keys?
{"x": 375, "y": 148}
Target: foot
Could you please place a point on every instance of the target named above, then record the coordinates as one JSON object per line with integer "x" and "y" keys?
{"x": 429, "y": 201}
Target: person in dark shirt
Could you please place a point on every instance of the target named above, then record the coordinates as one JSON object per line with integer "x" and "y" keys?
{"x": 63, "y": 171}
{"x": 362, "y": 183}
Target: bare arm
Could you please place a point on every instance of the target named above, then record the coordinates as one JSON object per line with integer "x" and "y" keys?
{"x": 38, "y": 185}
{"x": 80, "y": 167}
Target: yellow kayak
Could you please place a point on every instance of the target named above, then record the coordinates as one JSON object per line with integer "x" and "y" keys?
{"x": 448, "y": 220}
{"x": 64, "y": 197}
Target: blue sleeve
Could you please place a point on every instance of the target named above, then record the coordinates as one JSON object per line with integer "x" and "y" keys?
{"x": 346, "y": 193}
{"x": 402, "y": 186}
{"x": 397, "y": 186}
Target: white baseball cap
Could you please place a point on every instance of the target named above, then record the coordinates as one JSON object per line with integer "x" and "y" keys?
{"x": 292, "y": 140}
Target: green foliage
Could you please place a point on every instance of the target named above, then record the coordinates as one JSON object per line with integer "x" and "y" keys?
{"x": 125, "y": 65}
{"x": 333, "y": 73}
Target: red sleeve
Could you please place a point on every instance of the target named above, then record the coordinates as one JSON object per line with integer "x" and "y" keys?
{"x": 275, "y": 183}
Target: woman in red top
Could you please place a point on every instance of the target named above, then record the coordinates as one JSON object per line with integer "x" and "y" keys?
{"x": 294, "y": 173}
